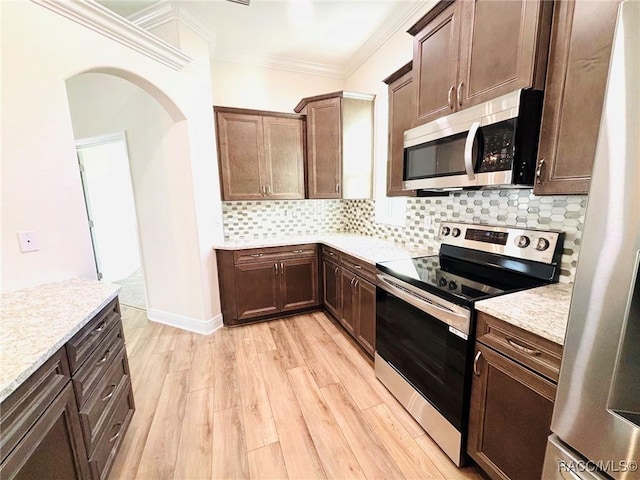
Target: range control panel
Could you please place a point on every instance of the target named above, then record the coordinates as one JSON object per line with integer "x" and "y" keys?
{"x": 537, "y": 245}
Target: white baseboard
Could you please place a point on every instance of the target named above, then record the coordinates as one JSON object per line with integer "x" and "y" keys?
{"x": 206, "y": 327}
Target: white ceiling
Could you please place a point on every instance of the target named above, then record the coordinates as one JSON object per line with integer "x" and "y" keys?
{"x": 325, "y": 37}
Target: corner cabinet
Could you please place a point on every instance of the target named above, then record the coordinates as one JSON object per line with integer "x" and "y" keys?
{"x": 579, "y": 54}
{"x": 468, "y": 52}
{"x": 68, "y": 419}
{"x": 512, "y": 396}
{"x": 402, "y": 116}
{"x": 339, "y": 145}
{"x": 256, "y": 284}
{"x": 261, "y": 154}
{"x": 350, "y": 295}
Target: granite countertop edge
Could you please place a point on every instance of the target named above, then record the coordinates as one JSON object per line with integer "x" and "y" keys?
{"x": 542, "y": 311}
{"x": 35, "y": 359}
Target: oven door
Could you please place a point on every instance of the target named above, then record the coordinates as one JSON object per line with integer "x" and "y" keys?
{"x": 426, "y": 351}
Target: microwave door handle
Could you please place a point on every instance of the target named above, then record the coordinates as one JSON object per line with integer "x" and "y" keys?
{"x": 468, "y": 150}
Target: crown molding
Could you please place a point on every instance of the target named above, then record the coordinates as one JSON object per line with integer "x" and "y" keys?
{"x": 281, "y": 63}
{"x": 94, "y": 16}
{"x": 166, "y": 11}
{"x": 382, "y": 35}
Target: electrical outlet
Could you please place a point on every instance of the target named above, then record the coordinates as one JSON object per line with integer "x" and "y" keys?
{"x": 427, "y": 222}
{"x": 28, "y": 242}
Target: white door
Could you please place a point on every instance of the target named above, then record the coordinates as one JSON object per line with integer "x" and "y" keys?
{"x": 106, "y": 179}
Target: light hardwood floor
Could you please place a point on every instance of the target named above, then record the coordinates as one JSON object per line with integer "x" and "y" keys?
{"x": 291, "y": 398}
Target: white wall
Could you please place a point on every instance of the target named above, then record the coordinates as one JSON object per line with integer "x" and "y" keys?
{"x": 261, "y": 88}
{"x": 393, "y": 54}
{"x": 41, "y": 187}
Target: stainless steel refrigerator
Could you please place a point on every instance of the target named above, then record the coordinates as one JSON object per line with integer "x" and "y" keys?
{"x": 596, "y": 419}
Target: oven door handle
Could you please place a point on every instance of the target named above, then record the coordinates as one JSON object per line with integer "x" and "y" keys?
{"x": 468, "y": 150}
{"x": 460, "y": 320}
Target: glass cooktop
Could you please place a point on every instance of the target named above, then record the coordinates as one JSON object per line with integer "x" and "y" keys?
{"x": 456, "y": 280}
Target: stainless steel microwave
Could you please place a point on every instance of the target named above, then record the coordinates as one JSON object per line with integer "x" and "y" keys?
{"x": 493, "y": 144}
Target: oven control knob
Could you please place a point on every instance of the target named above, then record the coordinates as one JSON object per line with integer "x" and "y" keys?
{"x": 442, "y": 282}
{"x": 455, "y": 232}
{"x": 445, "y": 231}
{"x": 522, "y": 241}
{"x": 542, "y": 244}
{"x": 452, "y": 285}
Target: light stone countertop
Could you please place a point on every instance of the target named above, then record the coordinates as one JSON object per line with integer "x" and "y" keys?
{"x": 36, "y": 322}
{"x": 365, "y": 248}
{"x": 543, "y": 311}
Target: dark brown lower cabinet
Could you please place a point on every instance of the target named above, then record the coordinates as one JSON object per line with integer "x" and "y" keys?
{"x": 349, "y": 308}
{"x": 366, "y": 317}
{"x": 510, "y": 416}
{"x": 53, "y": 447}
{"x": 264, "y": 283}
{"x": 331, "y": 286}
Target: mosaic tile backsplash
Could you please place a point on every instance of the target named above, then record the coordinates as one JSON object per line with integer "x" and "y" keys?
{"x": 514, "y": 208}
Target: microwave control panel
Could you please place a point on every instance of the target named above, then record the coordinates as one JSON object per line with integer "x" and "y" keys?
{"x": 497, "y": 142}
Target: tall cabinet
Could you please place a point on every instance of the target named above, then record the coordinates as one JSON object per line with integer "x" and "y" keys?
{"x": 339, "y": 144}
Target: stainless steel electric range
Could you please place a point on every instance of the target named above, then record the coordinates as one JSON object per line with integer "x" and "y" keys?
{"x": 425, "y": 317}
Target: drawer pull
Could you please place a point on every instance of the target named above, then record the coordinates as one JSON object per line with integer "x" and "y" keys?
{"x": 112, "y": 387}
{"x": 103, "y": 359}
{"x": 297, "y": 251}
{"x": 99, "y": 329}
{"x": 257, "y": 254}
{"x": 476, "y": 372}
{"x": 528, "y": 351}
{"x": 331, "y": 254}
{"x": 357, "y": 267}
{"x": 119, "y": 425}
{"x": 275, "y": 265}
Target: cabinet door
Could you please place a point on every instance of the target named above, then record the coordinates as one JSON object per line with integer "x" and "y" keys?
{"x": 503, "y": 48}
{"x": 257, "y": 286}
{"x": 510, "y": 417}
{"x": 402, "y": 116}
{"x": 349, "y": 307}
{"x": 435, "y": 65}
{"x": 53, "y": 447}
{"x": 331, "y": 287}
{"x": 299, "y": 283}
{"x": 324, "y": 148}
{"x": 581, "y": 41}
{"x": 284, "y": 157}
{"x": 366, "y": 319}
{"x": 240, "y": 155}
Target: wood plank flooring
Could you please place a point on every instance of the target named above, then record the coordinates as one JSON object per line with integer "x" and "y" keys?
{"x": 292, "y": 398}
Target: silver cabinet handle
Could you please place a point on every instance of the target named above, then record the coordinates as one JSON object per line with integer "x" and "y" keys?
{"x": 468, "y": 150}
{"x": 275, "y": 265}
{"x": 257, "y": 254}
{"x": 450, "y": 96}
{"x": 268, "y": 189}
{"x": 297, "y": 251}
{"x": 459, "y": 93}
{"x": 357, "y": 267}
{"x": 476, "y": 372}
{"x": 337, "y": 188}
{"x": 352, "y": 283}
{"x": 539, "y": 171}
{"x": 281, "y": 269}
{"x": 263, "y": 190}
{"x": 99, "y": 329}
{"x": 103, "y": 359}
{"x": 119, "y": 425}
{"x": 331, "y": 254}
{"x": 528, "y": 351}
{"x": 112, "y": 390}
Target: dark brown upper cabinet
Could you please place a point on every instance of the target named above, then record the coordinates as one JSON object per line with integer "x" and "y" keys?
{"x": 339, "y": 145}
{"x": 581, "y": 40}
{"x": 261, "y": 154}
{"x": 402, "y": 116}
{"x": 468, "y": 52}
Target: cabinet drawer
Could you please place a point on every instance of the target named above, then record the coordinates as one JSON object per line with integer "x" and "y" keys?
{"x": 331, "y": 253}
{"x": 20, "y": 411}
{"x": 359, "y": 267}
{"x": 96, "y": 366}
{"x": 101, "y": 461}
{"x": 80, "y": 347}
{"x": 539, "y": 354}
{"x": 102, "y": 401}
{"x": 273, "y": 253}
